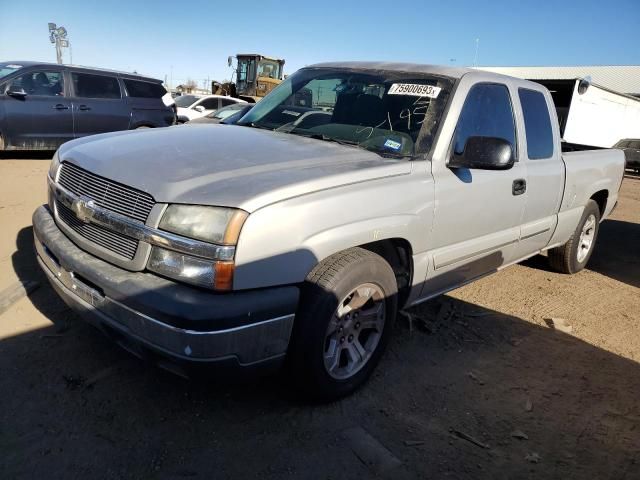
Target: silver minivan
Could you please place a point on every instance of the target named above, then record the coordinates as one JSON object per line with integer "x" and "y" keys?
{"x": 43, "y": 105}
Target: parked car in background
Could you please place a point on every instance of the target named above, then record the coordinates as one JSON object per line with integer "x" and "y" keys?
{"x": 280, "y": 237}
{"x": 43, "y": 105}
{"x": 225, "y": 114}
{"x": 191, "y": 107}
{"x": 631, "y": 149}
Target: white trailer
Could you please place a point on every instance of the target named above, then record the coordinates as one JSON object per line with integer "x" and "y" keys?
{"x": 593, "y": 115}
{"x": 596, "y": 113}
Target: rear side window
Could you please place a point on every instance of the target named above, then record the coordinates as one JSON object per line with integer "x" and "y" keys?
{"x": 224, "y": 102}
{"x": 209, "y": 104}
{"x": 537, "y": 124}
{"x": 141, "y": 89}
{"x": 95, "y": 86}
{"x": 486, "y": 112}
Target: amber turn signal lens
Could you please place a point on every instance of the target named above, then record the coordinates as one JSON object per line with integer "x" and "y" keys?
{"x": 223, "y": 279}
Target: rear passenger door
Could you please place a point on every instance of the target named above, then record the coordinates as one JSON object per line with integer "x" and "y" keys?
{"x": 545, "y": 170}
{"x": 98, "y": 104}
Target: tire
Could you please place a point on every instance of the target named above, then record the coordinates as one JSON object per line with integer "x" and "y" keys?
{"x": 329, "y": 300}
{"x": 574, "y": 255}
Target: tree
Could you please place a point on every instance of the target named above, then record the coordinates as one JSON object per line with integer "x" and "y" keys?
{"x": 190, "y": 85}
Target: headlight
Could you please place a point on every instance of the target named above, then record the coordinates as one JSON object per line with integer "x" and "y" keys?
{"x": 209, "y": 224}
{"x": 196, "y": 271}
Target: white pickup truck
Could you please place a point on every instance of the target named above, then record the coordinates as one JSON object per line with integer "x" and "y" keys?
{"x": 351, "y": 190}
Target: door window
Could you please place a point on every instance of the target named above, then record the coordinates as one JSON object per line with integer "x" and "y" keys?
{"x": 46, "y": 84}
{"x": 209, "y": 104}
{"x": 487, "y": 112}
{"x": 225, "y": 103}
{"x": 537, "y": 124}
{"x": 95, "y": 86}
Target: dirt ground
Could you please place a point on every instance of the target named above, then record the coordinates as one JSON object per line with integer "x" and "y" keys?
{"x": 479, "y": 387}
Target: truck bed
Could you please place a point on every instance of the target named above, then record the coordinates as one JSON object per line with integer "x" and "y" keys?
{"x": 589, "y": 172}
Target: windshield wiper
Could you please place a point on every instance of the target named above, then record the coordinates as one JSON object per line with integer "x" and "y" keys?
{"x": 351, "y": 143}
{"x": 326, "y": 138}
{"x": 255, "y": 125}
{"x": 387, "y": 153}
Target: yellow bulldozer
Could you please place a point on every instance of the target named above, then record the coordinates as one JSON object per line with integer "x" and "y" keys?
{"x": 255, "y": 76}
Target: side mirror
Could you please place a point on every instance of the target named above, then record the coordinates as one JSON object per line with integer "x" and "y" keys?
{"x": 16, "y": 92}
{"x": 199, "y": 108}
{"x": 484, "y": 153}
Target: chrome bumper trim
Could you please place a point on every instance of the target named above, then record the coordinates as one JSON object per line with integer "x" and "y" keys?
{"x": 91, "y": 213}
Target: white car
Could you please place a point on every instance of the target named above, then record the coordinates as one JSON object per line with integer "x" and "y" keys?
{"x": 196, "y": 106}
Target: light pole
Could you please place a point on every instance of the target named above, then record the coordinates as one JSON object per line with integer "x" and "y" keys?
{"x": 58, "y": 36}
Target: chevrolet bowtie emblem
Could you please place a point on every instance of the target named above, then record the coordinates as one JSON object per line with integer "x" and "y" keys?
{"x": 83, "y": 208}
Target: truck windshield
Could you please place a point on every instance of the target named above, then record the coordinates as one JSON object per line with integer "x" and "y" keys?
{"x": 392, "y": 113}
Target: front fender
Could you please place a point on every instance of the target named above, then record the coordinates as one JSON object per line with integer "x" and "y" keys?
{"x": 280, "y": 244}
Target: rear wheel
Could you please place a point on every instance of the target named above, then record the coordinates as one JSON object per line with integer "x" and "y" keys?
{"x": 347, "y": 309}
{"x": 574, "y": 255}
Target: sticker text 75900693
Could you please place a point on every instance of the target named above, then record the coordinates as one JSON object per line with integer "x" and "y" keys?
{"x": 414, "y": 89}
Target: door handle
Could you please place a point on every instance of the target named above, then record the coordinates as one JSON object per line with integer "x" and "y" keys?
{"x": 519, "y": 186}
{"x": 84, "y": 108}
{"x": 60, "y": 106}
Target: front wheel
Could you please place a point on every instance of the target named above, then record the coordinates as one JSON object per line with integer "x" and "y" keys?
{"x": 347, "y": 309}
{"x": 574, "y": 255}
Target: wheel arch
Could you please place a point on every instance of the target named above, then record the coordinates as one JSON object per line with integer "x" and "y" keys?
{"x": 601, "y": 197}
{"x": 398, "y": 253}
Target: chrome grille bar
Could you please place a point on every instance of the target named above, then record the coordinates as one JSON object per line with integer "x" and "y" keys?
{"x": 124, "y": 246}
{"x": 128, "y": 227}
{"x": 106, "y": 193}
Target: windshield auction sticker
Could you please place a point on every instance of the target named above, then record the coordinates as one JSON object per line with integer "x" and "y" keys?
{"x": 414, "y": 89}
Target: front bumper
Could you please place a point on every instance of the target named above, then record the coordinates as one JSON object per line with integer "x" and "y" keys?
{"x": 164, "y": 320}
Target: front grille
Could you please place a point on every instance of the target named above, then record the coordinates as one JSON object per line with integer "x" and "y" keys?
{"x": 109, "y": 195}
{"x": 106, "y": 193}
{"x": 114, "y": 242}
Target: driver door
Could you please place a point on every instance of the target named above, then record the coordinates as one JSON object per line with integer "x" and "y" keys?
{"x": 41, "y": 119}
{"x": 478, "y": 212}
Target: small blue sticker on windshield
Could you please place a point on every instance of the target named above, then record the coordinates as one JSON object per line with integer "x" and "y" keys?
{"x": 392, "y": 144}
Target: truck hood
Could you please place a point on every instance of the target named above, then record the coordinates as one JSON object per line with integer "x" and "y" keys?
{"x": 226, "y": 165}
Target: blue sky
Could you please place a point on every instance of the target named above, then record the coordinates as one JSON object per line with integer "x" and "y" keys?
{"x": 192, "y": 39}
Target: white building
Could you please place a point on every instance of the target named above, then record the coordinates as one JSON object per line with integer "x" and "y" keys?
{"x": 619, "y": 78}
